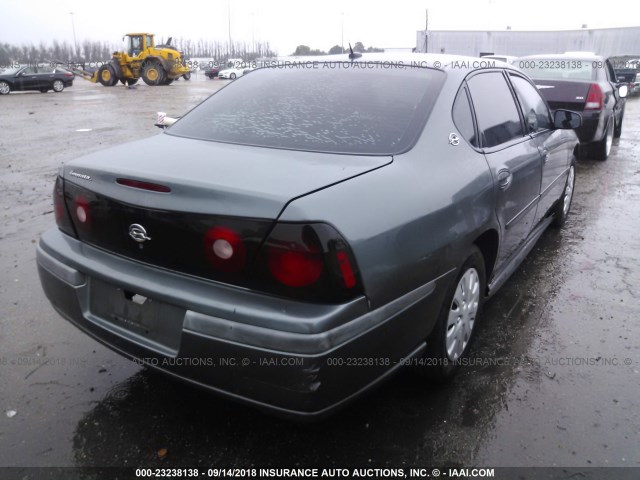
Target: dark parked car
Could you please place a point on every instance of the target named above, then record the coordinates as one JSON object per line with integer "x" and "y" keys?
{"x": 211, "y": 72}
{"x": 42, "y": 78}
{"x": 629, "y": 73}
{"x": 327, "y": 226}
{"x": 584, "y": 83}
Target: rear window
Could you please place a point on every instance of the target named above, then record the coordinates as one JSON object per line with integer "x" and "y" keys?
{"x": 336, "y": 107}
{"x": 558, "y": 69}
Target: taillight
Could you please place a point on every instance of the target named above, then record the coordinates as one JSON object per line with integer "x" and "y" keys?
{"x": 594, "y": 98}
{"x": 81, "y": 211}
{"x": 59, "y": 208}
{"x": 346, "y": 269}
{"x": 225, "y": 249}
{"x": 309, "y": 261}
{"x": 296, "y": 260}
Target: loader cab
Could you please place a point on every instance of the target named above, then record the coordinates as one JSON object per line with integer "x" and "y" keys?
{"x": 135, "y": 43}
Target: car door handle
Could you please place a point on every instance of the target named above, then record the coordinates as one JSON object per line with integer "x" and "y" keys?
{"x": 504, "y": 179}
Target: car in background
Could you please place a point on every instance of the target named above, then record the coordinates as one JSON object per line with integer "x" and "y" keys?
{"x": 629, "y": 73}
{"x": 264, "y": 253}
{"x": 585, "y": 83}
{"x": 40, "y": 77}
{"x": 211, "y": 72}
{"x": 232, "y": 73}
{"x": 501, "y": 58}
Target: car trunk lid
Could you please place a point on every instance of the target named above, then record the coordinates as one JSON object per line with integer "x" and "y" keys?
{"x": 569, "y": 95}
{"x": 214, "y": 178}
{"x": 198, "y": 188}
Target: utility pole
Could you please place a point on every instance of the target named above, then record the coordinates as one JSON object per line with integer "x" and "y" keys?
{"x": 73, "y": 28}
{"x": 426, "y": 33}
{"x": 229, "y": 18}
{"x": 342, "y": 41}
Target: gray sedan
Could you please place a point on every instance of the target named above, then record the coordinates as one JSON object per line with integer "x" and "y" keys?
{"x": 310, "y": 229}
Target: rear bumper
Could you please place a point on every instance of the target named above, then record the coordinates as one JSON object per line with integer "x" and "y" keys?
{"x": 294, "y": 359}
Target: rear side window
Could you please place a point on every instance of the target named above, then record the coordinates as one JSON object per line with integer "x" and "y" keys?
{"x": 536, "y": 113}
{"x": 496, "y": 111}
{"x": 336, "y": 107}
{"x": 462, "y": 117}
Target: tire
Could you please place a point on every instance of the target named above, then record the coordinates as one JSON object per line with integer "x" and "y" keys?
{"x": 153, "y": 74}
{"x": 602, "y": 149}
{"x": 232, "y": 76}
{"x": 450, "y": 339}
{"x": 106, "y": 76}
{"x": 187, "y": 76}
{"x": 563, "y": 206}
{"x": 5, "y": 88}
{"x": 57, "y": 86}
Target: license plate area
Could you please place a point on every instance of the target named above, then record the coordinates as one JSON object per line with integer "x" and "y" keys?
{"x": 155, "y": 324}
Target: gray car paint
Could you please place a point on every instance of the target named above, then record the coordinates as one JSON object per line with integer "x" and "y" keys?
{"x": 410, "y": 224}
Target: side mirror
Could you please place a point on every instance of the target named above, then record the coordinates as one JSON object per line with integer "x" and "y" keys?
{"x": 623, "y": 90}
{"x": 566, "y": 120}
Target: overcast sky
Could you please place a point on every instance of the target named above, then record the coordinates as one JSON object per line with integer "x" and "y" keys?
{"x": 288, "y": 23}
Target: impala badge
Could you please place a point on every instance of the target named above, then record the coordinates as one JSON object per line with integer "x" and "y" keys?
{"x": 453, "y": 139}
{"x": 138, "y": 233}
{"x": 83, "y": 176}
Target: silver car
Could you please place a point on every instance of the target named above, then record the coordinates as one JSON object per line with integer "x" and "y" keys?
{"x": 325, "y": 225}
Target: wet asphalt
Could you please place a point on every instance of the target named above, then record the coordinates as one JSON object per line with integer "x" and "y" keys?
{"x": 553, "y": 380}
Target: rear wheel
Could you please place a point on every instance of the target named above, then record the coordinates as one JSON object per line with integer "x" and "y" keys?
{"x": 153, "y": 74}
{"x": 58, "y": 86}
{"x": 4, "y": 88}
{"x": 449, "y": 341}
{"x": 602, "y": 149}
{"x": 232, "y": 76}
{"x": 564, "y": 202}
{"x": 106, "y": 76}
{"x": 187, "y": 76}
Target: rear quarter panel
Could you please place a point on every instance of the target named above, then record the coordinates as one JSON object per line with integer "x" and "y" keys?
{"x": 415, "y": 219}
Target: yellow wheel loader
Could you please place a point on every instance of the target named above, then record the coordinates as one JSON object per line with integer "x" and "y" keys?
{"x": 155, "y": 64}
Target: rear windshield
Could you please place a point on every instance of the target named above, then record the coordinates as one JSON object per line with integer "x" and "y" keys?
{"x": 558, "y": 69}
{"x": 10, "y": 71}
{"x": 325, "y": 107}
